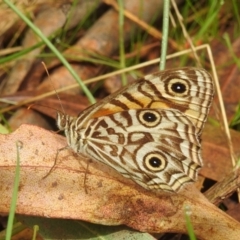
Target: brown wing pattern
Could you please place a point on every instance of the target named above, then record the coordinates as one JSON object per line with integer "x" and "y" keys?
{"x": 148, "y": 131}
{"x": 189, "y": 90}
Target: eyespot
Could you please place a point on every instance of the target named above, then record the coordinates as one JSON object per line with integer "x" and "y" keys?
{"x": 149, "y": 118}
{"x": 155, "y": 162}
{"x": 178, "y": 87}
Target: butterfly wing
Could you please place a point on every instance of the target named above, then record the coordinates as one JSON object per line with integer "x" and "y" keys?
{"x": 159, "y": 149}
{"x": 189, "y": 90}
{"x": 148, "y": 131}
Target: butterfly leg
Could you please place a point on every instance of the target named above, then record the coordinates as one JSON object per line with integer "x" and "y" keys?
{"x": 85, "y": 176}
{"x": 55, "y": 161}
{"x": 88, "y": 161}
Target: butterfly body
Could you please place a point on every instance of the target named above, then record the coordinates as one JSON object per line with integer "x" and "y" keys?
{"x": 148, "y": 131}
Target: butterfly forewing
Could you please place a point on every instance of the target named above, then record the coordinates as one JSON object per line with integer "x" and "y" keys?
{"x": 148, "y": 131}
{"x": 189, "y": 90}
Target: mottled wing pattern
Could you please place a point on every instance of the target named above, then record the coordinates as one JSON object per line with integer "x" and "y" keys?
{"x": 158, "y": 149}
{"x": 189, "y": 90}
{"x": 148, "y": 131}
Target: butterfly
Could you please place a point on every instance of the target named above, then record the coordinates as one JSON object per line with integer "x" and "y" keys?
{"x": 148, "y": 131}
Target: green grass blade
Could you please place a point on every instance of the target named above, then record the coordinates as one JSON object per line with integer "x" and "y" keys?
{"x": 14, "y": 196}
{"x": 187, "y": 213}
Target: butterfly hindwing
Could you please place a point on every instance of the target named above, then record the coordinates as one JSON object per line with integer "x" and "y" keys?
{"x": 159, "y": 149}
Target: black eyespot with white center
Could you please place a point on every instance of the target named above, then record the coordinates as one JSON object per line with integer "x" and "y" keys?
{"x": 149, "y": 118}
{"x": 155, "y": 162}
{"x": 178, "y": 87}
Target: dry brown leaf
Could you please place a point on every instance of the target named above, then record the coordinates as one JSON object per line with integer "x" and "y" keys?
{"x": 228, "y": 71}
{"x": 70, "y": 104}
{"x": 216, "y": 154}
{"x": 48, "y": 22}
{"x": 29, "y": 117}
{"x": 235, "y": 212}
{"x": 111, "y": 199}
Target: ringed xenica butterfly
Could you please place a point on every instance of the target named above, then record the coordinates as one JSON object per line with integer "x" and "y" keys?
{"x": 148, "y": 131}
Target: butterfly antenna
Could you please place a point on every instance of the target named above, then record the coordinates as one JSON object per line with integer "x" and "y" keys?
{"x": 60, "y": 102}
